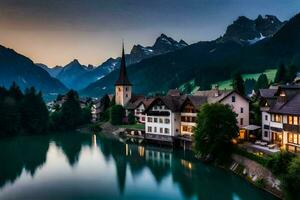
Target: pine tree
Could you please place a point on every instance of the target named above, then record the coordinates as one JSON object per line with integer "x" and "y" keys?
{"x": 291, "y": 73}
{"x": 238, "y": 83}
{"x": 261, "y": 83}
{"x": 280, "y": 74}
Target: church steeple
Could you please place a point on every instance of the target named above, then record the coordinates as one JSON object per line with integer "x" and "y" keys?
{"x": 122, "y": 86}
{"x": 123, "y": 79}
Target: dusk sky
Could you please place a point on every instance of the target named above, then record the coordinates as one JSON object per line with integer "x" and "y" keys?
{"x": 57, "y": 31}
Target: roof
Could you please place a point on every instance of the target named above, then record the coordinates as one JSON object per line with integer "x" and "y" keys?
{"x": 134, "y": 102}
{"x": 292, "y": 106}
{"x": 251, "y": 127}
{"x": 171, "y": 102}
{"x": 216, "y": 95}
{"x": 174, "y": 92}
{"x": 197, "y": 101}
{"x": 267, "y": 93}
{"x": 123, "y": 79}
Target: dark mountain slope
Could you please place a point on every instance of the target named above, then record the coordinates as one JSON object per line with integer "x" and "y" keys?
{"x": 18, "y": 68}
{"x": 208, "y": 62}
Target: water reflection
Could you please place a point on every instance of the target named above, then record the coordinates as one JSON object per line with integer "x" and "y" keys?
{"x": 109, "y": 168}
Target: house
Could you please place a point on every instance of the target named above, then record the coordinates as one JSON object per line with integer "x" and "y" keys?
{"x": 163, "y": 118}
{"x": 280, "y": 117}
{"x": 238, "y": 103}
{"x": 188, "y": 113}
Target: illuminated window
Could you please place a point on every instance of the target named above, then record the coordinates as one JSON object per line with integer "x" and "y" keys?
{"x": 290, "y": 138}
{"x": 290, "y": 121}
{"x": 295, "y": 138}
{"x": 295, "y": 120}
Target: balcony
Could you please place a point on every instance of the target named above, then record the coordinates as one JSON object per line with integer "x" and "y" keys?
{"x": 291, "y": 128}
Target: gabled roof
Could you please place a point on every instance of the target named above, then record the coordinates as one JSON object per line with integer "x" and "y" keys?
{"x": 197, "y": 101}
{"x": 171, "y": 102}
{"x": 134, "y": 102}
{"x": 215, "y": 95}
{"x": 174, "y": 92}
{"x": 123, "y": 79}
{"x": 292, "y": 106}
{"x": 267, "y": 93}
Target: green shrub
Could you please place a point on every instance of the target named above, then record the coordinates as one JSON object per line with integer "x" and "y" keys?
{"x": 116, "y": 115}
{"x": 278, "y": 163}
{"x": 259, "y": 159}
{"x": 291, "y": 180}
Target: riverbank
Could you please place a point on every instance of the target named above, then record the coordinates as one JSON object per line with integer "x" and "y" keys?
{"x": 250, "y": 170}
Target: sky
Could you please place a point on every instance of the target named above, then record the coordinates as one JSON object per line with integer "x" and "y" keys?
{"x": 55, "y": 32}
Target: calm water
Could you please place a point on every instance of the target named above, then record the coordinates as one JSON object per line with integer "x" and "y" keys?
{"x": 84, "y": 166}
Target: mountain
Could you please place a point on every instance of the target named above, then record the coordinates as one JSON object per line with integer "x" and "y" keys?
{"x": 163, "y": 44}
{"x": 245, "y": 30}
{"x": 71, "y": 73}
{"x": 209, "y": 62}
{"x": 18, "y": 68}
{"x": 52, "y": 71}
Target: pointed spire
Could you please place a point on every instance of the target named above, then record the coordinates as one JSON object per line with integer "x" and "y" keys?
{"x": 123, "y": 79}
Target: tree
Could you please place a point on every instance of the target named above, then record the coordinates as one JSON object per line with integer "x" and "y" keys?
{"x": 261, "y": 83}
{"x": 291, "y": 73}
{"x": 9, "y": 117}
{"x": 279, "y": 162}
{"x": 238, "y": 83}
{"x": 280, "y": 76}
{"x": 105, "y": 102}
{"x": 116, "y": 115}
{"x": 291, "y": 180}
{"x": 15, "y": 92}
{"x": 131, "y": 118}
{"x": 34, "y": 112}
{"x": 216, "y": 127}
{"x": 71, "y": 111}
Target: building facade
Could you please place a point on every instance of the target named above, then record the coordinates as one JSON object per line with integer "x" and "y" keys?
{"x": 281, "y": 117}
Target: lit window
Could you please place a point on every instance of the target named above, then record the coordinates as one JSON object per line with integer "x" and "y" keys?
{"x": 290, "y": 120}
{"x": 295, "y": 120}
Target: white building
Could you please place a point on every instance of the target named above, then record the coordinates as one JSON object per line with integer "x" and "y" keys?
{"x": 281, "y": 117}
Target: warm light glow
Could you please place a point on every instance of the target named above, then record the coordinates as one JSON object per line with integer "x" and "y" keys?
{"x": 187, "y": 164}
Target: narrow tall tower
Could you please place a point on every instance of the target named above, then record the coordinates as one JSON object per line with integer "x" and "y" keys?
{"x": 123, "y": 87}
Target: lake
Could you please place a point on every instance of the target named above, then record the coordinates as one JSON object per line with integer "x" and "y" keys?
{"x": 88, "y": 166}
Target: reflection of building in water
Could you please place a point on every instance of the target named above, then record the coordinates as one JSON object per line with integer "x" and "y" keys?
{"x": 94, "y": 141}
{"x": 160, "y": 158}
{"x": 133, "y": 150}
{"x": 186, "y": 164}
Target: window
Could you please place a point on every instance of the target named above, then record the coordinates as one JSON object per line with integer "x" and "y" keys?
{"x": 290, "y": 121}
{"x": 149, "y": 129}
{"x": 161, "y": 120}
{"x": 155, "y": 120}
{"x": 276, "y": 118}
{"x": 143, "y": 119}
{"x": 242, "y": 110}
{"x": 233, "y": 99}
{"x": 295, "y": 120}
{"x": 149, "y": 119}
{"x": 266, "y": 134}
{"x": 167, "y": 121}
{"x": 126, "y": 88}
{"x": 167, "y": 131}
{"x": 161, "y": 130}
{"x": 119, "y": 89}
{"x": 155, "y": 129}
{"x": 241, "y": 121}
{"x": 126, "y": 95}
{"x": 266, "y": 117}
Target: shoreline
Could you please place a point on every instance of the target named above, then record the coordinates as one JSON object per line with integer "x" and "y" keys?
{"x": 250, "y": 177}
